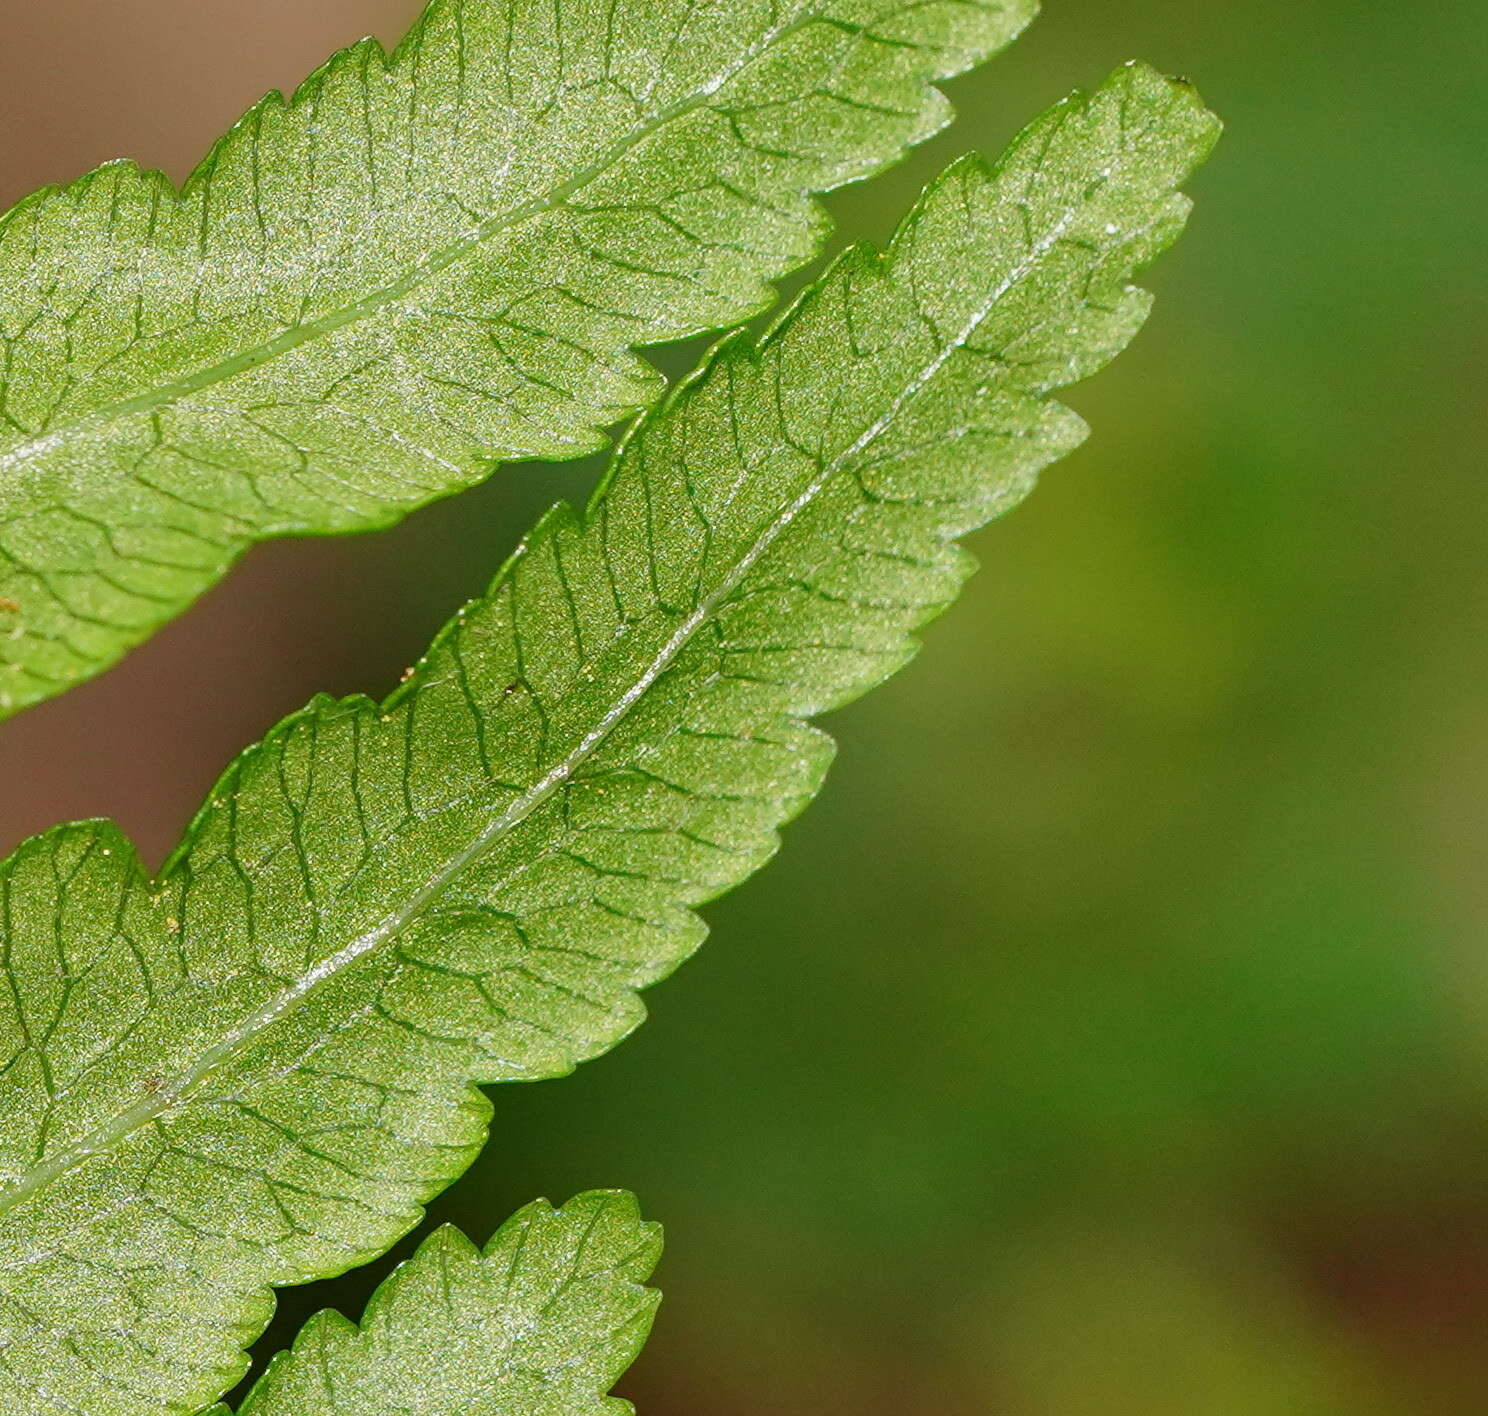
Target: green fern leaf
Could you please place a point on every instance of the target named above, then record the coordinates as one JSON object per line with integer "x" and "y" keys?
{"x": 415, "y": 266}
{"x": 542, "y": 1323}
{"x": 254, "y": 1069}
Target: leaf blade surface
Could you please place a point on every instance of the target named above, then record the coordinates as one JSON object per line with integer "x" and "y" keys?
{"x": 418, "y": 265}
{"x": 255, "y": 1069}
{"x": 542, "y": 1322}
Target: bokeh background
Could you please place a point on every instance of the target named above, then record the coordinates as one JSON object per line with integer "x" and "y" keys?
{"x": 1113, "y": 1035}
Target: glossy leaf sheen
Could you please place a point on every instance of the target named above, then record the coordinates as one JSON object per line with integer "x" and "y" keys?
{"x": 255, "y": 1069}
{"x": 541, "y": 1323}
{"x": 417, "y": 265}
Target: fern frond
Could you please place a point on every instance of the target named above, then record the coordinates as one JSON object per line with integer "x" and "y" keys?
{"x": 254, "y": 1069}
{"x": 542, "y": 1322}
{"x": 415, "y": 266}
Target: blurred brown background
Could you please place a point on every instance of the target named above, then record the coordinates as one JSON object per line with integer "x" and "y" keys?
{"x": 1113, "y": 1036}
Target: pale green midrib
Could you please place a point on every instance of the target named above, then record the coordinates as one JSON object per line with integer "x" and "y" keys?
{"x": 179, "y": 1088}
{"x": 17, "y": 457}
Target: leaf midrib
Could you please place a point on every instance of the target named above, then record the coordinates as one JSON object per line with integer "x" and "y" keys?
{"x": 180, "y": 1088}
{"x": 18, "y": 457}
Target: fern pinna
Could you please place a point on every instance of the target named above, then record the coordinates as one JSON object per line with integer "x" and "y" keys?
{"x": 253, "y": 1069}
{"x": 418, "y": 265}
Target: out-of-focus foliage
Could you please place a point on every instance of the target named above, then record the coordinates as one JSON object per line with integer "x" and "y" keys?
{"x": 1154, "y": 974}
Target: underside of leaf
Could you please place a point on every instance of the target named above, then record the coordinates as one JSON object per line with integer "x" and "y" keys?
{"x": 417, "y": 266}
{"x": 254, "y": 1069}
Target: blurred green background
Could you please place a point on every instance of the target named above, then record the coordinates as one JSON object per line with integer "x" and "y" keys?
{"x": 1113, "y": 1035}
